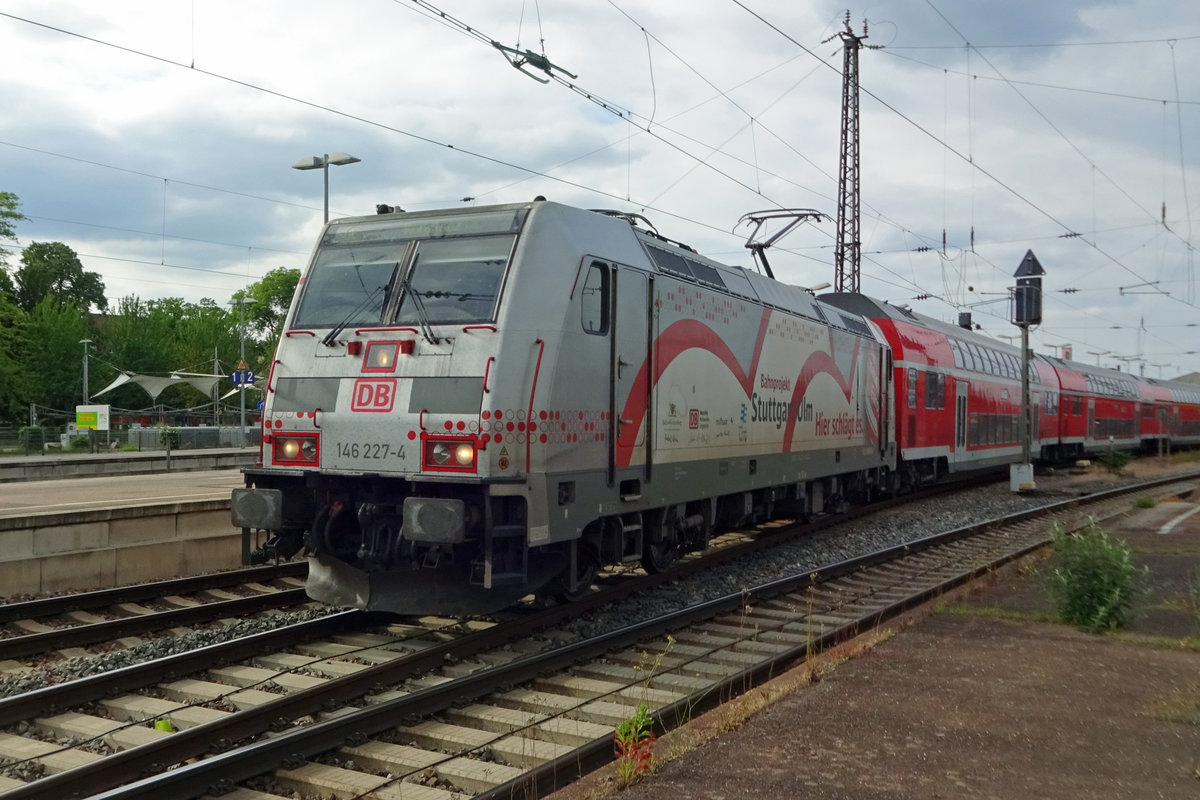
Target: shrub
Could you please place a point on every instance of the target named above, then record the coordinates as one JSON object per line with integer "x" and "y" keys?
{"x": 1113, "y": 460}
{"x": 33, "y": 438}
{"x": 1093, "y": 578}
{"x": 168, "y": 437}
{"x": 1144, "y": 502}
{"x": 79, "y": 444}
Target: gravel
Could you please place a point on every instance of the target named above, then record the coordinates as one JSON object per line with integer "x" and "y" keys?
{"x": 48, "y": 674}
{"x": 910, "y": 522}
{"x": 907, "y": 523}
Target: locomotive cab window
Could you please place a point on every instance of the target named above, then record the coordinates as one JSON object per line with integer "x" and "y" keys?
{"x": 593, "y": 301}
{"x": 427, "y": 270}
{"x": 455, "y": 280}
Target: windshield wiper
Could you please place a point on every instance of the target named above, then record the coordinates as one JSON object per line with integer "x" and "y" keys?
{"x": 418, "y": 304}
{"x": 331, "y": 337}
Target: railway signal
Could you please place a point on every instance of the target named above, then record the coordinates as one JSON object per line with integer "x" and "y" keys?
{"x": 1027, "y": 310}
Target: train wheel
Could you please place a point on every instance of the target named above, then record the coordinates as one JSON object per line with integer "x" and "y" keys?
{"x": 662, "y": 548}
{"x": 587, "y": 564}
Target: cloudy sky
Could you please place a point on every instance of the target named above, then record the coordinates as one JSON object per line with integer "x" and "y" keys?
{"x": 157, "y": 138}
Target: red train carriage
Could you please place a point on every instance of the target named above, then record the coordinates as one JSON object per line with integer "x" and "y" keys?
{"x": 958, "y": 393}
{"x": 1099, "y": 408}
{"x": 1181, "y": 412}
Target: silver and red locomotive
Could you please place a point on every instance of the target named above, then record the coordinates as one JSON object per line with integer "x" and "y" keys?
{"x": 472, "y": 405}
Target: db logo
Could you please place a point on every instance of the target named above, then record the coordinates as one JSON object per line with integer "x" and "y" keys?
{"x": 693, "y": 418}
{"x": 373, "y": 394}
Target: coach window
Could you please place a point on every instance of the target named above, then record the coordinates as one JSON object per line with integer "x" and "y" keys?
{"x": 593, "y": 300}
{"x": 912, "y": 388}
{"x": 976, "y": 359}
{"x": 931, "y": 390}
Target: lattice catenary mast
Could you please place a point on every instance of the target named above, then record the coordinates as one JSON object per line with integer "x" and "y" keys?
{"x": 847, "y": 252}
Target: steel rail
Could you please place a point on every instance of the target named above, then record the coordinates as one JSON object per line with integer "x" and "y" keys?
{"x": 61, "y": 604}
{"x": 91, "y": 633}
{"x": 218, "y": 773}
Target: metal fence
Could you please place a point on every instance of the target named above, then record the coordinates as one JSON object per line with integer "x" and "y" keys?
{"x": 46, "y": 440}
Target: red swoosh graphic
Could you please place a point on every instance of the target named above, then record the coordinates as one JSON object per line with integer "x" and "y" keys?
{"x": 689, "y": 334}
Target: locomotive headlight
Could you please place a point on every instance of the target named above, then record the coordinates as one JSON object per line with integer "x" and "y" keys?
{"x": 301, "y": 449}
{"x": 380, "y": 357}
{"x": 449, "y": 455}
{"x": 440, "y": 453}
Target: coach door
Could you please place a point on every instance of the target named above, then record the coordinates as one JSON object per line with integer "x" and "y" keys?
{"x": 960, "y": 416}
{"x": 1035, "y": 419}
{"x": 885, "y": 406}
{"x": 630, "y": 384}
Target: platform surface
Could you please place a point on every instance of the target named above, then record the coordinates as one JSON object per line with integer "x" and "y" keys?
{"x": 87, "y": 494}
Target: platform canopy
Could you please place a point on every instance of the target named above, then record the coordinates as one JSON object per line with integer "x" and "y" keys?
{"x": 154, "y": 385}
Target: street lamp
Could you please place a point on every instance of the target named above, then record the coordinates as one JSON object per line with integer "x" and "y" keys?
{"x": 241, "y": 303}
{"x": 322, "y": 163}
{"x": 87, "y": 397}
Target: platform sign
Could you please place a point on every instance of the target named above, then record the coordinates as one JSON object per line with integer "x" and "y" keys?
{"x": 91, "y": 417}
{"x": 242, "y": 377}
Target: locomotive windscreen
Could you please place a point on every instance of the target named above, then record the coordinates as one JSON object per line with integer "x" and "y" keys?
{"x": 445, "y": 269}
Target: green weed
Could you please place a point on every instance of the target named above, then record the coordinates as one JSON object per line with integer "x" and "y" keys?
{"x": 1113, "y": 460}
{"x": 633, "y": 744}
{"x": 1092, "y": 578}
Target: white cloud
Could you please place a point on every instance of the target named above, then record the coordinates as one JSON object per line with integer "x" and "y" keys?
{"x": 169, "y": 138}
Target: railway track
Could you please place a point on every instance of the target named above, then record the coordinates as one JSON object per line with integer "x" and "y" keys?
{"x": 488, "y": 710}
{"x": 37, "y": 627}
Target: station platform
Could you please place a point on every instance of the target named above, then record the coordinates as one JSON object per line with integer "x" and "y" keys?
{"x": 98, "y": 532}
{"x": 65, "y": 497}
{"x": 77, "y": 465}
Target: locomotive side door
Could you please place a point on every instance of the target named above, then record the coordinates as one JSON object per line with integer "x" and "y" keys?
{"x": 631, "y": 379}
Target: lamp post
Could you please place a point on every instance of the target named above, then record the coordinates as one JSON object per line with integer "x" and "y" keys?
{"x": 322, "y": 163}
{"x": 87, "y": 397}
{"x": 241, "y": 303}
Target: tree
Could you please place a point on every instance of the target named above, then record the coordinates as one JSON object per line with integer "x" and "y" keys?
{"x": 156, "y": 337}
{"x": 9, "y": 217}
{"x": 13, "y": 375}
{"x": 272, "y": 297}
{"x": 14, "y": 382}
{"x": 55, "y": 365}
{"x": 53, "y": 270}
